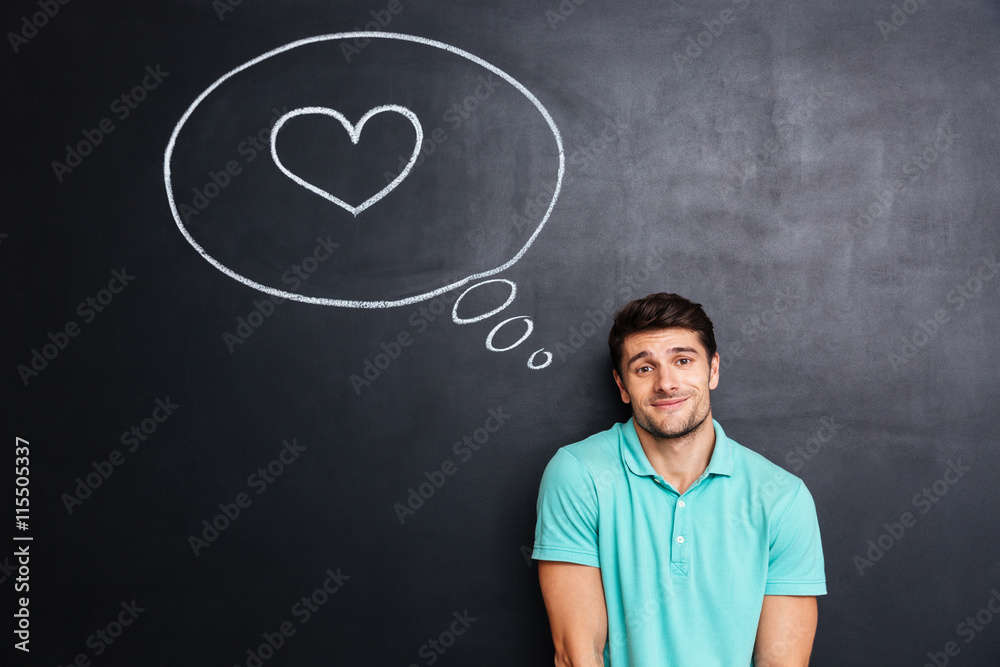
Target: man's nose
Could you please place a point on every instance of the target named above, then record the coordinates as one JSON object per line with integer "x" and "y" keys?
{"x": 666, "y": 379}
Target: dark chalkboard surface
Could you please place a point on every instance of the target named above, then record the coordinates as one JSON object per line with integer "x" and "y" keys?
{"x": 301, "y": 297}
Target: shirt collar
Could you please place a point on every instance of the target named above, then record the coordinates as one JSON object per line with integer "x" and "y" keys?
{"x": 721, "y": 462}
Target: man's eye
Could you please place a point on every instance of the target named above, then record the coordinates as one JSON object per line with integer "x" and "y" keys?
{"x": 643, "y": 369}
{"x": 684, "y": 362}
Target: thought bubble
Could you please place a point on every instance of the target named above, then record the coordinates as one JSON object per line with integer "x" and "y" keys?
{"x": 410, "y": 156}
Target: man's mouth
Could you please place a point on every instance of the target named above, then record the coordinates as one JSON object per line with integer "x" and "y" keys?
{"x": 668, "y": 403}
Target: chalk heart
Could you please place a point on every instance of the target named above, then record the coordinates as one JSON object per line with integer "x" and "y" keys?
{"x": 355, "y": 133}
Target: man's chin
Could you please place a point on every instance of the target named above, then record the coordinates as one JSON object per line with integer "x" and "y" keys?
{"x": 671, "y": 432}
{"x": 673, "y": 435}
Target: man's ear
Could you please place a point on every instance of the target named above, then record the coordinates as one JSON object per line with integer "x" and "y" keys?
{"x": 621, "y": 387}
{"x": 713, "y": 374}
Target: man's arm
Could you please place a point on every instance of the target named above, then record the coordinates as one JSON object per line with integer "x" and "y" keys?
{"x": 785, "y": 632}
{"x": 578, "y": 615}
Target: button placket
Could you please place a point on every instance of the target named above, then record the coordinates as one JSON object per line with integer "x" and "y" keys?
{"x": 679, "y": 545}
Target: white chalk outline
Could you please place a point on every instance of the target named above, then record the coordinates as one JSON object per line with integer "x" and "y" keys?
{"x": 355, "y": 132}
{"x": 496, "y": 329}
{"x": 547, "y": 361}
{"x": 346, "y": 303}
{"x": 469, "y": 320}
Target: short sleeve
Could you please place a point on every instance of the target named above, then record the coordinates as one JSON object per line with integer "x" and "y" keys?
{"x": 566, "y": 529}
{"x": 795, "y": 563}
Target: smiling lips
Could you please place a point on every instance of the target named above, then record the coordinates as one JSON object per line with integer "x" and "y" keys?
{"x": 668, "y": 403}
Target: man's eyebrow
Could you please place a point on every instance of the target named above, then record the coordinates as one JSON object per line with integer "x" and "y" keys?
{"x": 671, "y": 351}
{"x": 638, "y": 355}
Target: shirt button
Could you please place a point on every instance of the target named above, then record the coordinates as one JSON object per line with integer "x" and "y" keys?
{"x": 681, "y": 503}
{"x": 680, "y": 538}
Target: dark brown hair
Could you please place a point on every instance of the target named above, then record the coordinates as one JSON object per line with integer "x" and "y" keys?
{"x": 660, "y": 311}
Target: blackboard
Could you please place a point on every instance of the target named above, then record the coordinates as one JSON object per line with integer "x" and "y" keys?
{"x": 301, "y": 297}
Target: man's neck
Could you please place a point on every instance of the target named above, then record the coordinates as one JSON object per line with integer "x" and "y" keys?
{"x": 680, "y": 461}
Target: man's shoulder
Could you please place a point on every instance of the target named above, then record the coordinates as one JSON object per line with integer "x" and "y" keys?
{"x": 760, "y": 470}
{"x": 597, "y": 451}
{"x": 756, "y": 462}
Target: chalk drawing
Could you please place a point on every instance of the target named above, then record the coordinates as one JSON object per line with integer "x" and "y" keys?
{"x": 355, "y": 132}
{"x": 531, "y": 359}
{"x": 352, "y": 303}
{"x": 489, "y": 339}
{"x": 469, "y": 320}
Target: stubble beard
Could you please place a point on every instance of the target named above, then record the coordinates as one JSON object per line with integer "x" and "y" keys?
{"x": 693, "y": 423}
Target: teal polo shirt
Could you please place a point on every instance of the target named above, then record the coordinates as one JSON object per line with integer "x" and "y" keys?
{"x": 684, "y": 575}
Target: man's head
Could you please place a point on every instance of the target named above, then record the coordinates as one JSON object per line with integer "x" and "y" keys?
{"x": 660, "y": 311}
{"x": 664, "y": 353}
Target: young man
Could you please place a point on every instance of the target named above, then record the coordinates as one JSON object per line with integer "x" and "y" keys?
{"x": 663, "y": 543}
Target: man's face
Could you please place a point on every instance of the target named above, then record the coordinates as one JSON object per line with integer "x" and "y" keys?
{"x": 666, "y": 377}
